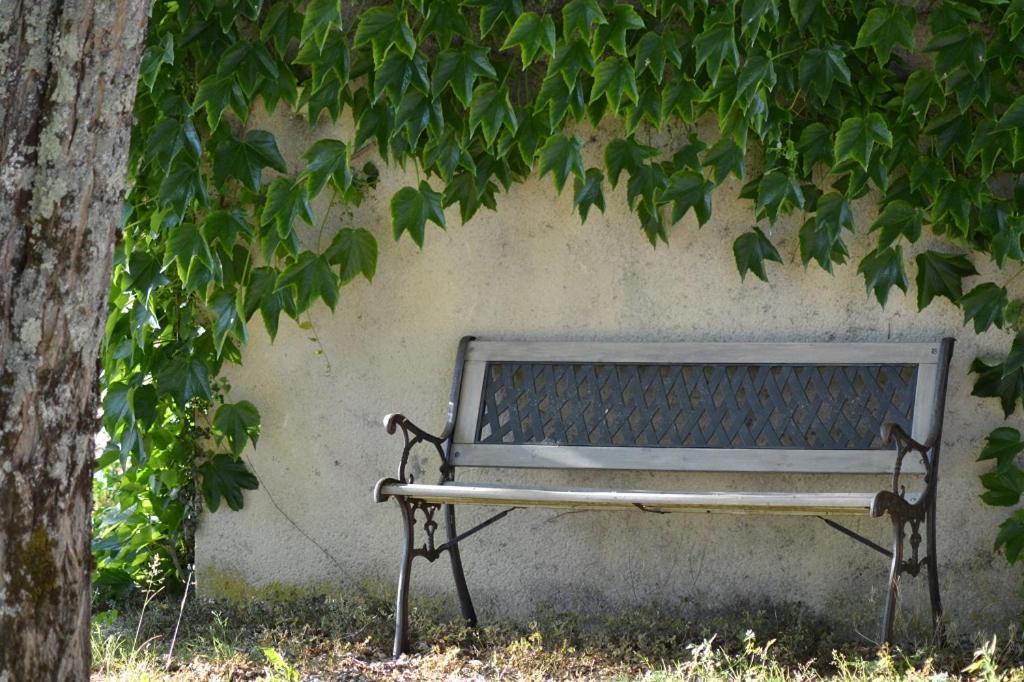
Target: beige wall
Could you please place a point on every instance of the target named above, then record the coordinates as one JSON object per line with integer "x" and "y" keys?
{"x": 532, "y": 271}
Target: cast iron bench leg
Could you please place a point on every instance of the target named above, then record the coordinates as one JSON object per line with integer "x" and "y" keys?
{"x": 899, "y": 528}
{"x": 465, "y": 602}
{"x": 933, "y": 574}
{"x": 402, "y": 601}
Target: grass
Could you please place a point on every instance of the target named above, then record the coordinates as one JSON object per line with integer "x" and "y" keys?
{"x": 347, "y": 637}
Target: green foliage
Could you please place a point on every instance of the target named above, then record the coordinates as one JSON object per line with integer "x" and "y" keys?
{"x": 833, "y": 101}
{"x": 752, "y": 250}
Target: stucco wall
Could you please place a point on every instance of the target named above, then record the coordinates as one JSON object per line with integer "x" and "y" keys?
{"x": 532, "y": 271}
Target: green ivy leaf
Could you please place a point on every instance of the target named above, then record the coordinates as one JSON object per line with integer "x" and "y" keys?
{"x": 168, "y": 138}
{"x": 458, "y": 69}
{"x": 958, "y": 47}
{"x": 986, "y": 305}
{"x": 819, "y": 243}
{"x": 179, "y": 188}
{"x": 463, "y": 190}
{"x": 492, "y": 11}
{"x": 777, "y": 191}
{"x": 753, "y": 11}
{"x": 940, "y": 274}
{"x": 820, "y": 237}
{"x": 993, "y": 382}
{"x": 412, "y": 208}
{"x": 954, "y": 203}
{"x": 716, "y": 46}
{"x": 1003, "y": 445}
{"x": 820, "y": 69}
{"x": 327, "y": 160}
{"x": 1013, "y": 365}
{"x": 154, "y": 57}
{"x": 751, "y": 250}
{"x": 580, "y": 16}
{"x": 383, "y": 28}
{"x": 612, "y": 33}
{"x": 531, "y": 34}
{"x": 898, "y": 219}
{"x": 587, "y": 192}
{"x": 625, "y": 154}
{"x": 249, "y": 65}
{"x": 225, "y": 477}
{"x": 226, "y": 307}
{"x": 245, "y": 159}
{"x": 1013, "y": 117}
{"x": 184, "y": 378}
{"x": 560, "y": 100}
{"x": 688, "y": 189}
{"x": 725, "y": 157}
{"x": 310, "y": 277}
{"x": 570, "y": 59}
{"x": 1007, "y": 242}
{"x": 834, "y": 213}
{"x": 397, "y": 73}
{"x": 757, "y": 73}
{"x": 952, "y": 131}
{"x": 280, "y": 26}
{"x": 445, "y": 19}
{"x": 215, "y": 94}
{"x": 226, "y": 227}
{"x": 882, "y": 270}
{"x": 237, "y": 423}
{"x": 645, "y": 182}
{"x": 884, "y": 28}
{"x": 815, "y": 146}
{"x": 355, "y": 250}
{"x": 491, "y": 110}
{"x": 318, "y": 18}
{"x": 262, "y": 294}
{"x": 187, "y": 248}
{"x": 654, "y": 50}
{"x": 561, "y": 156}
{"x": 145, "y": 273}
{"x": 332, "y": 59}
{"x": 117, "y": 407}
{"x": 287, "y": 199}
{"x": 919, "y": 94}
{"x": 1011, "y": 537}
{"x": 1003, "y": 487}
{"x": 615, "y": 79}
{"x": 857, "y": 137}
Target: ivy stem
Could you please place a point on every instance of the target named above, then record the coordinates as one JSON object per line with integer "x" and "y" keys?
{"x": 316, "y": 339}
{"x": 327, "y": 214}
{"x": 1014, "y": 276}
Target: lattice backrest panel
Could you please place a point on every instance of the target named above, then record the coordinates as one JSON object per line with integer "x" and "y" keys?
{"x": 735, "y": 406}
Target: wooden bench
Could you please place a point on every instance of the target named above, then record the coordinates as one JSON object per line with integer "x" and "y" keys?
{"x": 825, "y": 408}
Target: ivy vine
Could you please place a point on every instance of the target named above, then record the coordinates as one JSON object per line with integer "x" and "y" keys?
{"x": 921, "y": 104}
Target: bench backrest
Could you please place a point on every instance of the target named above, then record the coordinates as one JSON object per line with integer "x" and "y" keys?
{"x": 781, "y": 407}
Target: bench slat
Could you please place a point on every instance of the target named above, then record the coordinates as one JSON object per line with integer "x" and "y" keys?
{"x": 531, "y": 456}
{"x": 588, "y": 498}
{"x": 697, "y": 353}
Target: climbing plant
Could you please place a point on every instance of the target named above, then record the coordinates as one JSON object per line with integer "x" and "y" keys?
{"x": 919, "y": 105}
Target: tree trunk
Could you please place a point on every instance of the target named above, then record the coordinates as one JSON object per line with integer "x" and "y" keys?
{"x": 67, "y": 86}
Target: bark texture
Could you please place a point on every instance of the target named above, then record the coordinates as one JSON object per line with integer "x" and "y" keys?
{"x": 67, "y": 85}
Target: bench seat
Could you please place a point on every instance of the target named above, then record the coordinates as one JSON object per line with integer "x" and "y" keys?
{"x": 813, "y": 504}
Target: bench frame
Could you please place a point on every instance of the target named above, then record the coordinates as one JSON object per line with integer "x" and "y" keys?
{"x": 923, "y": 444}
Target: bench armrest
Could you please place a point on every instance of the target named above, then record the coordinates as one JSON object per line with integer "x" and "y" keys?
{"x": 894, "y": 434}
{"x": 394, "y": 421}
{"x": 413, "y": 435}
